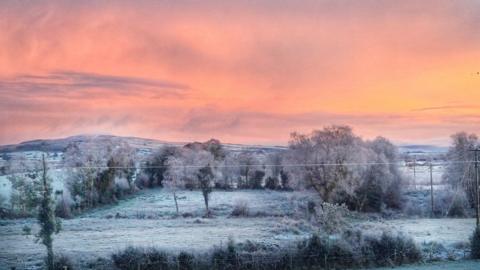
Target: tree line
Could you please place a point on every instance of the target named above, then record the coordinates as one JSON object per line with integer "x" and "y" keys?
{"x": 340, "y": 166}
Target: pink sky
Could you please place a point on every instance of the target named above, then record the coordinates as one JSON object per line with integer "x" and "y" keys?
{"x": 239, "y": 71}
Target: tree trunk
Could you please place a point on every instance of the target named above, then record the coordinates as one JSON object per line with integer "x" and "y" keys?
{"x": 50, "y": 264}
{"x": 175, "y": 199}
{"x": 205, "y": 198}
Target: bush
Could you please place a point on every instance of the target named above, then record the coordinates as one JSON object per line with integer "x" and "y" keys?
{"x": 256, "y": 180}
{"x": 326, "y": 253}
{"x": 140, "y": 259}
{"x": 372, "y": 195}
{"x": 271, "y": 183}
{"x": 331, "y": 217}
{"x": 185, "y": 261}
{"x": 240, "y": 209}
{"x": 62, "y": 209}
{"x": 457, "y": 209}
{"x": 62, "y": 262}
{"x": 225, "y": 259}
{"x": 452, "y": 203}
{"x": 393, "y": 196}
{"x": 316, "y": 252}
{"x": 475, "y": 244}
{"x": 389, "y": 250}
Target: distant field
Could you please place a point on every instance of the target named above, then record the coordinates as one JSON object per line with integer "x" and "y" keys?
{"x": 147, "y": 220}
{"x": 460, "y": 265}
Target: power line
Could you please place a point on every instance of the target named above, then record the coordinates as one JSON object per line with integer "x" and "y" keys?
{"x": 401, "y": 164}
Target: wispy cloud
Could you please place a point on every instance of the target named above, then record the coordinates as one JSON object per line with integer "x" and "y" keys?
{"x": 446, "y": 107}
{"x": 68, "y": 83}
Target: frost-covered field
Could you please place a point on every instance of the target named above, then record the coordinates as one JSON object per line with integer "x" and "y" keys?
{"x": 445, "y": 238}
{"x": 460, "y": 265}
{"x": 421, "y": 179}
{"x": 148, "y": 219}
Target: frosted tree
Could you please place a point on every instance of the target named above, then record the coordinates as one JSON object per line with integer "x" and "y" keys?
{"x": 175, "y": 175}
{"x": 460, "y": 172}
{"x": 389, "y": 175}
{"x": 156, "y": 165}
{"x": 24, "y": 179}
{"x": 198, "y": 166}
{"x": 205, "y": 179}
{"x": 275, "y": 162}
{"x": 247, "y": 163}
{"x": 46, "y": 217}
{"x": 343, "y": 168}
{"x": 229, "y": 171}
{"x": 85, "y": 162}
{"x": 326, "y": 155}
{"x": 124, "y": 156}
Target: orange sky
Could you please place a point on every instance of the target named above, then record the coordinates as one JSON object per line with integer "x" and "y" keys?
{"x": 239, "y": 71}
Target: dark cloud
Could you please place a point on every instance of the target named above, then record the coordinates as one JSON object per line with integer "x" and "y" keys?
{"x": 66, "y": 83}
{"x": 243, "y": 121}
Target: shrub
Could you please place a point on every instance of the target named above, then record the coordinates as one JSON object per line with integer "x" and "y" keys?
{"x": 142, "y": 180}
{"x": 452, "y": 203}
{"x": 140, "y": 259}
{"x": 240, "y": 209}
{"x": 393, "y": 196}
{"x": 62, "y": 209}
{"x": 389, "y": 250}
{"x": 256, "y": 180}
{"x": 62, "y": 262}
{"x": 326, "y": 253}
{"x": 457, "y": 209}
{"x": 225, "y": 259}
{"x": 372, "y": 196}
{"x": 331, "y": 217}
{"x": 316, "y": 252}
{"x": 185, "y": 261}
{"x": 271, "y": 183}
{"x": 475, "y": 244}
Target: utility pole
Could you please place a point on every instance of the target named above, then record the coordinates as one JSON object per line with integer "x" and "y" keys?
{"x": 477, "y": 195}
{"x": 431, "y": 186}
{"x": 414, "y": 173}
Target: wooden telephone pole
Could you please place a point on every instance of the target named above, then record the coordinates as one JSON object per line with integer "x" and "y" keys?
{"x": 414, "y": 173}
{"x": 431, "y": 186}
{"x": 477, "y": 195}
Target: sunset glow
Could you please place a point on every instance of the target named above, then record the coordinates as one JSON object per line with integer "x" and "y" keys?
{"x": 245, "y": 72}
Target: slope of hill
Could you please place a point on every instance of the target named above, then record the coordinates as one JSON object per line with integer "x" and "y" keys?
{"x": 142, "y": 144}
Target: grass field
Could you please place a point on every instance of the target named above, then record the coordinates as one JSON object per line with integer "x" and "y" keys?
{"x": 148, "y": 219}
{"x": 458, "y": 265}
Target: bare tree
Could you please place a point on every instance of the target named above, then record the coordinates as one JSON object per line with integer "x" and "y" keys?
{"x": 205, "y": 178}
{"x": 275, "y": 160}
{"x": 343, "y": 168}
{"x": 156, "y": 165}
{"x": 175, "y": 176}
{"x": 85, "y": 162}
{"x": 247, "y": 163}
{"x": 229, "y": 170}
{"x": 459, "y": 172}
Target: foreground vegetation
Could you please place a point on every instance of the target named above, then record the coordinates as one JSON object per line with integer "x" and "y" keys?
{"x": 345, "y": 172}
{"x": 351, "y": 250}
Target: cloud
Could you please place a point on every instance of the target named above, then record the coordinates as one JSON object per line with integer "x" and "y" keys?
{"x": 67, "y": 83}
{"x": 241, "y": 71}
{"x": 446, "y": 107}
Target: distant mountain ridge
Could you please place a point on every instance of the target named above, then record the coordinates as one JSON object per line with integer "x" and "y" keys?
{"x": 422, "y": 149}
{"x": 59, "y": 145}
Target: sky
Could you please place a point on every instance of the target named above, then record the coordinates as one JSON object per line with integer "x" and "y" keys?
{"x": 246, "y": 72}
